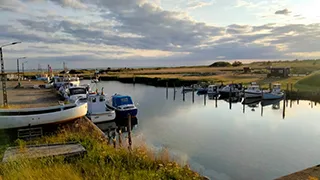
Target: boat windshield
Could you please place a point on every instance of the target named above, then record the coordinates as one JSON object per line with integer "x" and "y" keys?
{"x": 118, "y": 101}
{"x": 75, "y": 91}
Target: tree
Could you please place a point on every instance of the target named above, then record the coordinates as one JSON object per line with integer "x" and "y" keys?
{"x": 236, "y": 63}
{"x": 220, "y": 64}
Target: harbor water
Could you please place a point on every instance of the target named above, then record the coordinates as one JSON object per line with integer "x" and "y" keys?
{"x": 226, "y": 141}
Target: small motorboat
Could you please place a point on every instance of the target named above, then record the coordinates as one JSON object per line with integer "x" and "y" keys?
{"x": 20, "y": 118}
{"x": 275, "y": 93}
{"x": 253, "y": 91}
{"x": 97, "y": 109}
{"x": 213, "y": 90}
{"x": 123, "y": 105}
{"x": 202, "y": 91}
{"x": 231, "y": 90}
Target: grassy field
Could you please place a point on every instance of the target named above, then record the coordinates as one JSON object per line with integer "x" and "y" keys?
{"x": 311, "y": 82}
{"x": 100, "y": 162}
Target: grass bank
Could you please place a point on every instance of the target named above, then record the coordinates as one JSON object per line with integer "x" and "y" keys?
{"x": 100, "y": 162}
{"x": 311, "y": 82}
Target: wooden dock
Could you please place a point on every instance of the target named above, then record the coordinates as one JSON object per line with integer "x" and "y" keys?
{"x": 47, "y": 150}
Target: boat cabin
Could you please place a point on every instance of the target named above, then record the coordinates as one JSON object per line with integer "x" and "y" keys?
{"x": 120, "y": 100}
{"x": 77, "y": 90}
{"x": 276, "y": 88}
{"x": 96, "y": 103}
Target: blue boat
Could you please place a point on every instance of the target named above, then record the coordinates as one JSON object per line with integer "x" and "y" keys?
{"x": 202, "y": 91}
{"x": 275, "y": 93}
{"x": 123, "y": 105}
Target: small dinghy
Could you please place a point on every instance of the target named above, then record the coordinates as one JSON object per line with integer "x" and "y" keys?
{"x": 19, "y": 118}
{"x": 97, "y": 110}
{"x": 123, "y": 105}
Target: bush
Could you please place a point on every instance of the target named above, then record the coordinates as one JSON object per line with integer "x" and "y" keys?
{"x": 236, "y": 63}
{"x": 220, "y": 64}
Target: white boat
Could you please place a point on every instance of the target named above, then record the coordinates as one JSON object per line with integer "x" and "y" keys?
{"x": 76, "y": 92}
{"x": 193, "y": 87}
{"x": 19, "y": 118}
{"x": 97, "y": 110}
{"x": 59, "y": 81}
{"x": 276, "y": 93}
{"x": 253, "y": 91}
{"x": 231, "y": 90}
{"x": 213, "y": 90}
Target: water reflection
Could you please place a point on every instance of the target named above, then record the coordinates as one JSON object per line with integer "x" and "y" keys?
{"x": 227, "y": 144}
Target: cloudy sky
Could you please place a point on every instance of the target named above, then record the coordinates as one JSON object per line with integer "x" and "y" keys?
{"x": 103, "y": 33}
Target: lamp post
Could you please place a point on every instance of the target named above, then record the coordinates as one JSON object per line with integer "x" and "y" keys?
{"x": 23, "y": 68}
{"x": 18, "y": 69}
{"x": 3, "y": 76}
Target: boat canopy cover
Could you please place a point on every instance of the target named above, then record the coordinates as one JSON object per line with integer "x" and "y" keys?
{"x": 119, "y": 100}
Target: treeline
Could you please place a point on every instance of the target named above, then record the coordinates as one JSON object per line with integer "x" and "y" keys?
{"x": 226, "y": 64}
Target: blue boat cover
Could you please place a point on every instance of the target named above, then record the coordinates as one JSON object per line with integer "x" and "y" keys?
{"x": 119, "y": 100}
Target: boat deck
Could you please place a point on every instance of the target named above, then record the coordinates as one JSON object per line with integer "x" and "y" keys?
{"x": 39, "y": 151}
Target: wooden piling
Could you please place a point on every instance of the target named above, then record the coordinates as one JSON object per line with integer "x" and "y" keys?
{"x": 284, "y": 105}
{"x": 183, "y": 94}
{"x": 129, "y": 133}
{"x": 291, "y": 90}
{"x": 114, "y": 140}
{"x": 167, "y": 90}
{"x": 192, "y": 94}
{"x": 261, "y": 110}
{"x": 120, "y": 137}
{"x": 174, "y": 92}
{"x": 134, "y": 80}
{"x": 205, "y": 99}
{"x": 270, "y": 87}
{"x": 298, "y": 97}
{"x": 230, "y": 93}
{"x": 216, "y": 101}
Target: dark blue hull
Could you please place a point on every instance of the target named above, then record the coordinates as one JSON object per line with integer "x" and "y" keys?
{"x": 124, "y": 113}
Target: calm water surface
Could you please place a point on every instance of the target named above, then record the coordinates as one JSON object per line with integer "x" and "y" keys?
{"x": 224, "y": 143}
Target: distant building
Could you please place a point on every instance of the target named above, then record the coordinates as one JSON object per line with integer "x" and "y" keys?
{"x": 246, "y": 70}
{"x": 279, "y": 72}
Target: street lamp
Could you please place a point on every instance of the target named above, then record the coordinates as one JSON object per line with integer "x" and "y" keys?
{"x": 3, "y": 76}
{"x": 18, "y": 69}
{"x": 23, "y": 68}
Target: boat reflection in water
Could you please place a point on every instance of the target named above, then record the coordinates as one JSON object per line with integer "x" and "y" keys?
{"x": 275, "y": 103}
{"x": 118, "y": 124}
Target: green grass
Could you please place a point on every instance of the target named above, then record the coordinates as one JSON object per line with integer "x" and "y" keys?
{"x": 101, "y": 162}
{"x": 309, "y": 83}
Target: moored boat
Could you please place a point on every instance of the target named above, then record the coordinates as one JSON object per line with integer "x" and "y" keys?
{"x": 275, "y": 93}
{"x": 231, "y": 90}
{"x": 97, "y": 109}
{"x": 123, "y": 105}
{"x": 76, "y": 92}
{"x": 253, "y": 91}
{"x": 19, "y": 118}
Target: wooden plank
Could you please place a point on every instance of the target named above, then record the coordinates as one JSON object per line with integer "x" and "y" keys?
{"x": 47, "y": 150}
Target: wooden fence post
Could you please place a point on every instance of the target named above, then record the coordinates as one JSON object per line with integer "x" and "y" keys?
{"x": 129, "y": 132}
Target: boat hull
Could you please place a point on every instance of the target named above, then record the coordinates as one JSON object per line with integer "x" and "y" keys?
{"x": 102, "y": 117}
{"x": 121, "y": 114}
{"x": 20, "y": 121}
{"x": 224, "y": 94}
{"x": 252, "y": 94}
{"x": 271, "y": 96}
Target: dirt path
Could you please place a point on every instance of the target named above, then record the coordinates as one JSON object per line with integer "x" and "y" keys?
{"x": 28, "y": 97}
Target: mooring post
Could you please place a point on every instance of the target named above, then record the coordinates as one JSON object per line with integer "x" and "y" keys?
{"x": 291, "y": 90}
{"x": 120, "y": 136}
{"x": 261, "y": 110}
{"x": 114, "y": 140}
{"x": 216, "y": 101}
{"x": 270, "y": 87}
{"x": 205, "y": 99}
{"x": 174, "y": 92}
{"x": 287, "y": 88}
{"x": 183, "y": 94}
{"x": 134, "y": 80}
{"x": 167, "y": 90}
{"x": 192, "y": 94}
{"x": 129, "y": 133}
{"x": 284, "y": 105}
{"x": 230, "y": 93}
{"x": 311, "y": 104}
{"x": 298, "y": 97}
